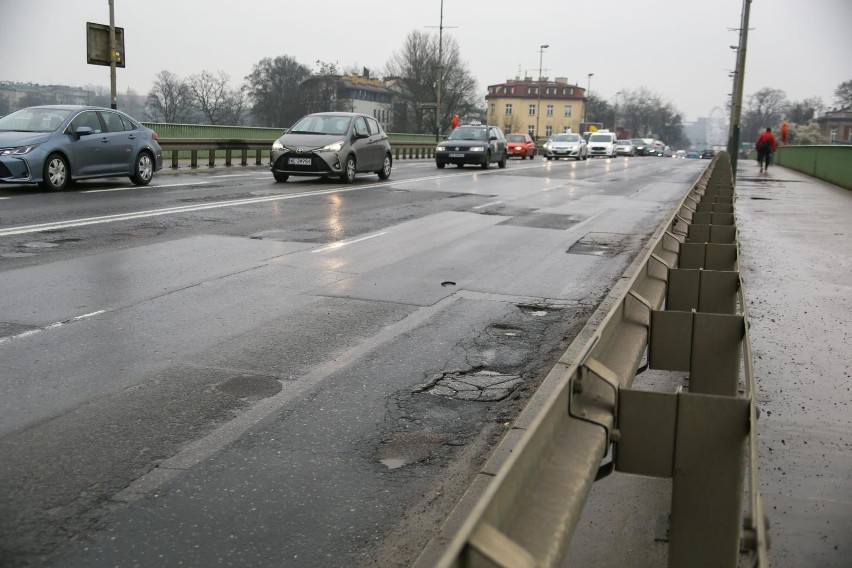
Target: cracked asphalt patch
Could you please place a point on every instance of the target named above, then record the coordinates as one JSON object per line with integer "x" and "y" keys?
{"x": 483, "y": 385}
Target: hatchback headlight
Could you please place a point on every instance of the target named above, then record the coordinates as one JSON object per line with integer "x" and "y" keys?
{"x": 277, "y": 145}
{"x": 440, "y": 148}
{"x": 18, "y": 150}
{"x": 478, "y": 149}
{"x": 334, "y": 147}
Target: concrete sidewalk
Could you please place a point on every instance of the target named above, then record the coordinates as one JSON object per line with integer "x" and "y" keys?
{"x": 795, "y": 235}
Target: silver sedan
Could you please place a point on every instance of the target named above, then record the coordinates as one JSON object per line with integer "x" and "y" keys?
{"x": 566, "y": 145}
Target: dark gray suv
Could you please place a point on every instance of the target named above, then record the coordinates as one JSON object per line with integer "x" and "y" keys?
{"x": 332, "y": 144}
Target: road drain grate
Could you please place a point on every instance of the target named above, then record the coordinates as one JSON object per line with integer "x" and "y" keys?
{"x": 482, "y": 386}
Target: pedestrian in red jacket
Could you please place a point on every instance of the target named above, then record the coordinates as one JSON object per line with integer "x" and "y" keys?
{"x": 765, "y": 145}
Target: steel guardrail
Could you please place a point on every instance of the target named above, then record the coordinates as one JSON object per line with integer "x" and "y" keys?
{"x": 214, "y": 150}
{"x": 523, "y": 507}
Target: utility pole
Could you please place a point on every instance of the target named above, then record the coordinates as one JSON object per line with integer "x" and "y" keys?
{"x": 588, "y": 94}
{"x": 737, "y": 95}
{"x": 112, "y": 89}
{"x": 538, "y": 105}
{"x": 440, "y": 74}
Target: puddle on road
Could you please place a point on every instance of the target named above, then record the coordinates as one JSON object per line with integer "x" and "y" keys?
{"x": 393, "y": 463}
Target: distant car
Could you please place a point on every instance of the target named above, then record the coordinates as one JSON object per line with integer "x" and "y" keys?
{"x": 707, "y": 153}
{"x": 58, "y": 144}
{"x": 692, "y": 154}
{"x": 625, "y": 148}
{"x": 640, "y": 146}
{"x": 332, "y": 144}
{"x": 680, "y": 154}
{"x": 667, "y": 152}
{"x": 476, "y": 144}
{"x": 521, "y": 145}
{"x": 567, "y": 145}
{"x": 602, "y": 143}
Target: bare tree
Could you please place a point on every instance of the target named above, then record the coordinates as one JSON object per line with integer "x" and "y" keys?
{"x": 765, "y": 109}
{"x": 274, "y": 90}
{"x": 802, "y": 112}
{"x": 843, "y": 94}
{"x": 415, "y": 81}
{"x": 213, "y": 98}
{"x": 169, "y": 100}
{"x": 319, "y": 92}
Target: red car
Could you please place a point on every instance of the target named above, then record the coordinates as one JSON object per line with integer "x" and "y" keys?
{"x": 520, "y": 145}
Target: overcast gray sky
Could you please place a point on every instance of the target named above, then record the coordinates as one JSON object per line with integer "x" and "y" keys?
{"x": 679, "y": 49}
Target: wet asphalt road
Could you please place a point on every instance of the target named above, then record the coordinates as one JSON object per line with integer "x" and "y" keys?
{"x": 221, "y": 370}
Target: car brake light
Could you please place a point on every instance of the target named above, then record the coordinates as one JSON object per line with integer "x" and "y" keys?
{"x": 154, "y": 136}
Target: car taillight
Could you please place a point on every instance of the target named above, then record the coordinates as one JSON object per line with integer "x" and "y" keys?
{"x": 154, "y": 136}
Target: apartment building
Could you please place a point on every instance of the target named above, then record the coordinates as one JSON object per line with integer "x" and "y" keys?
{"x": 524, "y": 105}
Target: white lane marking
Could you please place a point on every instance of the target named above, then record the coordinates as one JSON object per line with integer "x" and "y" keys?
{"x": 51, "y": 326}
{"x": 150, "y": 187}
{"x": 487, "y": 204}
{"x": 5, "y": 198}
{"x": 24, "y": 229}
{"x": 231, "y": 176}
{"x": 345, "y": 243}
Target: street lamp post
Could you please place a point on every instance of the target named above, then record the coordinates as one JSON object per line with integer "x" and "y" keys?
{"x": 588, "y": 94}
{"x": 538, "y": 105}
{"x": 615, "y": 114}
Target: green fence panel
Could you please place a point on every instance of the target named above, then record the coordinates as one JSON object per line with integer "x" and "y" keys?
{"x": 830, "y": 163}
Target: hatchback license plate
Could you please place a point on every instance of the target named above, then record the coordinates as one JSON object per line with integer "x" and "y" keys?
{"x": 456, "y": 155}
{"x": 299, "y": 161}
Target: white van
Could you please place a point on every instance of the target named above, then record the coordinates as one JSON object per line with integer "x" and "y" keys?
{"x": 602, "y": 143}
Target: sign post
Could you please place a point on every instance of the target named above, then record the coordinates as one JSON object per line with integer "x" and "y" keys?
{"x": 105, "y": 46}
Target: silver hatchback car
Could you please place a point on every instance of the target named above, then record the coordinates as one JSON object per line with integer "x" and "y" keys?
{"x": 332, "y": 144}
{"x": 57, "y": 144}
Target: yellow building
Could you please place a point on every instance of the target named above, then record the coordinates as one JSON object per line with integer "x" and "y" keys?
{"x": 525, "y": 106}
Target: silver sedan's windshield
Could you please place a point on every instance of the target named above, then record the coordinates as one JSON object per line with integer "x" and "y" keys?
{"x": 566, "y": 138}
{"x": 34, "y": 120}
{"x": 322, "y": 124}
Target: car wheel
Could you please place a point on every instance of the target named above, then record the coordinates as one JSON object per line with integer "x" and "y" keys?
{"x": 487, "y": 163}
{"x": 55, "y": 175}
{"x": 532, "y": 156}
{"x": 144, "y": 170}
{"x": 385, "y": 172}
{"x": 502, "y": 163}
{"x": 440, "y": 165}
{"x": 279, "y": 177}
{"x": 348, "y": 175}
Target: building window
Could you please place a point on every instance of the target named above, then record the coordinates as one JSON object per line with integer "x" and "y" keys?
{"x": 493, "y": 109}
{"x": 548, "y": 131}
{"x": 531, "y": 111}
{"x": 567, "y": 110}
{"x": 508, "y": 109}
{"x": 531, "y": 130}
{"x": 549, "y": 110}
{"x": 510, "y": 90}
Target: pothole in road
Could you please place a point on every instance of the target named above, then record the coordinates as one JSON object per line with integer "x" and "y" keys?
{"x": 448, "y": 283}
{"x": 599, "y": 244}
{"x": 506, "y": 330}
{"x": 251, "y": 387}
{"x": 403, "y": 448}
{"x": 480, "y": 386}
{"x": 537, "y": 310}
